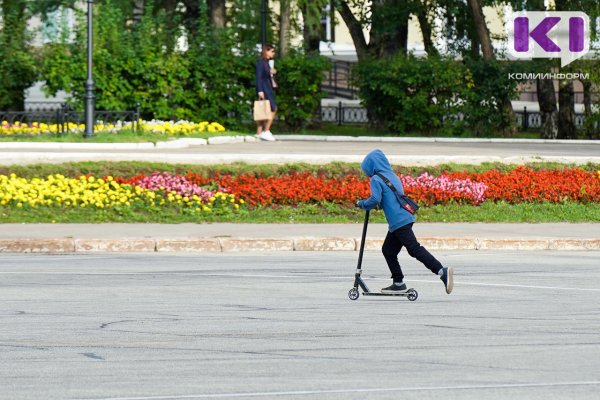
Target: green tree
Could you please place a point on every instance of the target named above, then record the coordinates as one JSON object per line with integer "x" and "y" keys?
{"x": 130, "y": 65}
{"x": 194, "y": 62}
{"x": 558, "y": 120}
{"x": 387, "y": 21}
{"x": 18, "y": 66}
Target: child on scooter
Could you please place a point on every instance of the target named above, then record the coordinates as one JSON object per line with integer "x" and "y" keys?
{"x": 400, "y": 221}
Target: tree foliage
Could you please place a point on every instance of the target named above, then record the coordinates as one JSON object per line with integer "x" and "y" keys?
{"x": 207, "y": 76}
{"x": 18, "y": 65}
{"x": 300, "y": 77}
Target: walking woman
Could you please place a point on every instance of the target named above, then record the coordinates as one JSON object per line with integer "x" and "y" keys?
{"x": 265, "y": 89}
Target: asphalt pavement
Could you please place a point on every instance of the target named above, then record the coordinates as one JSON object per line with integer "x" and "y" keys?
{"x": 67, "y": 238}
{"x": 519, "y": 325}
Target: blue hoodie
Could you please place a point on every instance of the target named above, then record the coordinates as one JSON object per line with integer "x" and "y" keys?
{"x": 381, "y": 195}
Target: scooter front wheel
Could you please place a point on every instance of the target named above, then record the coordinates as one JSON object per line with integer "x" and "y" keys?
{"x": 412, "y": 294}
{"x": 353, "y": 294}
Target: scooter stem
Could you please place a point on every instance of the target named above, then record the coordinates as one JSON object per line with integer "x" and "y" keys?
{"x": 362, "y": 241}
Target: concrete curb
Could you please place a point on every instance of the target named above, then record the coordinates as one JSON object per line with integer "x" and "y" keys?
{"x": 326, "y": 244}
{"x": 391, "y": 139}
{"x": 37, "y": 246}
{"x": 171, "y": 144}
{"x": 188, "y": 142}
{"x": 232, "y": 244}
{"x": 20, "y": 158}
{"x": 115, "y": 245}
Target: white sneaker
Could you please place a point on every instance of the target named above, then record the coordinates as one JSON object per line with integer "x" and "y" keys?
{"x": 266, "y": 135}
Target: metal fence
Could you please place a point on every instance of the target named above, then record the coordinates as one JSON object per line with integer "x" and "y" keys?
{"x": 352, "y": 114}
{"x": 337, "y": 82}
{"x": 344, "y": 114}
{"x": 533, "y": 119}
{"x": 61, "y": 115}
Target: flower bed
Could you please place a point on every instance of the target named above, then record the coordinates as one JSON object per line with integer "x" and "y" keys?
{"x": 225, "y": 192}
{"x": 184, "y": 128}
{"x": 519, "y": 185}
{"x": 168, "y": 128}
{"x": 526, "y": 185}
{"x": 88, "y": 191}
{"x": 36, "y": 128}
{"x": 306, "y": 188}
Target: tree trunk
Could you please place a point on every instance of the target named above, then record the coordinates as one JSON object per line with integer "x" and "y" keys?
{"x": 566, "y": 110}
{"x": 483, "y": 33}
{"x": 284, "y": 27}
{"x": 487, "y": 51}
{"x": 587, "y": 105}
{"x": 473, "y": 38}
{"x": 138, "y": 11}
{"x": 332, "y": 19}
{"x": 548, "y": 109}
{"x": 355, "y": 28}
{"x": 311, "y": 23}
{"x": 546, "y": 97}
{"x": 566, "y": 97}
{"x": 389, "y": 28}
{"x": 430, "y": 49}
{"x": 217, "y": 13}
{"x": 392, "y": 43}
{"x": 170, "y": 7}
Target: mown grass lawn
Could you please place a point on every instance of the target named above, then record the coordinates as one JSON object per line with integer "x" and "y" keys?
{"x": 124, "y": 136}
{"x": 324, "y": 213}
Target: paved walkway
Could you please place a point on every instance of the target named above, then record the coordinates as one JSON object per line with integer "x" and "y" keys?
{"x": 309, "y": 149}
{"x": 299, "y": 237}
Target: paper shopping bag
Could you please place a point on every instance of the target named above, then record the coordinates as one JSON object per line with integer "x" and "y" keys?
{"x": 262, "y": 110}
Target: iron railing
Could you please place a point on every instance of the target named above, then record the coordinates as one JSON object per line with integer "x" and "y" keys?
{"x": 352, "y": 114}
{"x": 344, "y": 114}
{"x": 533, "y": 119}
{"x": 63, "y": 116}
{"x": 337, "y": 82}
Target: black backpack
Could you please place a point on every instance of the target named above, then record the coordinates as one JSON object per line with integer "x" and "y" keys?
{"x": 405, "y": 202}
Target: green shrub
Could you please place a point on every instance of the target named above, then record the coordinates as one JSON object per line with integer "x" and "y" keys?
{"x": 488, "y": 88}
{"x": 221, "y": 85}
{"x": 299, "y": 94}
{"x": 408, "y": 94}
{"x": 435, "y": 94}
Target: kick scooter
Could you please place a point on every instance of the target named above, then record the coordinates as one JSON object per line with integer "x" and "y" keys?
{"x": 353, "y": 294}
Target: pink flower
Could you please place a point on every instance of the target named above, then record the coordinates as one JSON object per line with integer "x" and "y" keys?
{"x": 474, "y": 191}
{"x": 175, "y": 183}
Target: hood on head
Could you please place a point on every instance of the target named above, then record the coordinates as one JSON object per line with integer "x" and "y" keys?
{"x": 374, "y": 162}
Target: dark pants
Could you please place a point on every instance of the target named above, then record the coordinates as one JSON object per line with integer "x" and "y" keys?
{"x": 404, "y": 237}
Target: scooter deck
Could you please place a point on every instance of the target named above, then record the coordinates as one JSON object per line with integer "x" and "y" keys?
{"x": 405, "y": 294}
{"x": 354, "y": 293}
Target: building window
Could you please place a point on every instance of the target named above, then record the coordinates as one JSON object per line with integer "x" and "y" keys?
{"x": 58, "y": 26}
